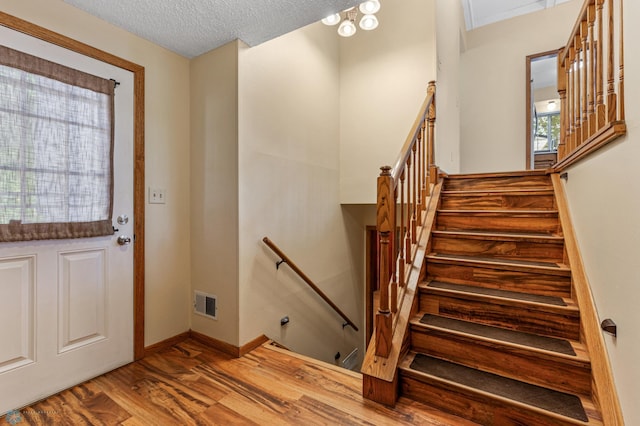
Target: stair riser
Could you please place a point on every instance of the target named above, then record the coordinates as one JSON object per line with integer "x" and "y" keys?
{"x": 524, "y": 282}
{"x": 478, "y": 407}
{"x": 497, "y": 202}
{"x": 498, "y": 183}
{"x": 513, "y": 317}
{"x": 517, "y": 363}
{"x": 542, "y": 224}
{"x": 522, "y": 250}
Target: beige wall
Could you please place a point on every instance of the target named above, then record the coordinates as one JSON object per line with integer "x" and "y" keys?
{"x": 383, "y": 81}
{"x": 289, "y": 192}
{"x": 167, "y": 160}
{"x": 214, "y": 188}
{"x": 493, "y": 73}
{"x": 604, "y": 198}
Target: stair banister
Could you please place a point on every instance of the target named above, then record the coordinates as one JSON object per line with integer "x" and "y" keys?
{"x": 591, "y": 118}
{"x": 408, "y": 180}
{"x": 285, "y": 259}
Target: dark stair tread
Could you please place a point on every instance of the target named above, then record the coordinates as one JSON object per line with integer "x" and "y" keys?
{"x": 546, "y": 343}
{"x": 494, "y": 260}
{"x": 557, "y": 402}
{"x": 492, "y": 175}
{"x": 505, "y": 294}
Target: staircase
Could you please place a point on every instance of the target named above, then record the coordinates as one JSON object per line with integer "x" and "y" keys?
{"x": 496, "y": 338}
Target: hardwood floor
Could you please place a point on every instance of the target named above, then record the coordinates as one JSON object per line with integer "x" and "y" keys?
{"x": 191, "y": 384}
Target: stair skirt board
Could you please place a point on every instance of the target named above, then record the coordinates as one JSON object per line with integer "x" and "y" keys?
{"x": 557, "y": 402}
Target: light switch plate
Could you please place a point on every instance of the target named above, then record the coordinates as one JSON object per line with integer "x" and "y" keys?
{"x": 157, "y": 196}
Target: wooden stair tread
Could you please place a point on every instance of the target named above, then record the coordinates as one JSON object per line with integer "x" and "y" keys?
{"x": 501, "y": 236}
{"x": 543, "y": 190}
{"x": 500, "y": 263}
{"x": 562, "y": 404}
{"x": 501, "y": 212}
{"x": 498, "y": 293}
{"x": 545, "y": 343}
{"x": 512, "y": 173}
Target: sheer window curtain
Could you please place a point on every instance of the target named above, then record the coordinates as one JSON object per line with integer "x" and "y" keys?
{"x": 56, "y": 150}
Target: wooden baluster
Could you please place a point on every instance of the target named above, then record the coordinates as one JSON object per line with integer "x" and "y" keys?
{"x": 621, "y": 112}
{"x": 385, "y": 223}
{"x": 584, "y": 124}
{"x": 403, "y": 231}
{"x": 407, "y": 240}
{"x": 570, "y": 102}
{"x": 591, "y": 70}
{"x": 601, "y": 110}
{"x": 576, "y": 117}
{"x": 393, "y": 296}
{"x": 433, "y": 170}
{"x": 414, "y": 187}
{"x": 611, "y": 91}
{"x": 418, "y": 149}
{"x": 562, "y": 92}
{"x": 425, "y": 178}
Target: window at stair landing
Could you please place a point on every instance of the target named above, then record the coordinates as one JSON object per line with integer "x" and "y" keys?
{"x": 546, "y": 132}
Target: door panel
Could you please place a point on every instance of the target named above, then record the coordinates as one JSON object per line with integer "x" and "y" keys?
{"x": 70, "y": 315}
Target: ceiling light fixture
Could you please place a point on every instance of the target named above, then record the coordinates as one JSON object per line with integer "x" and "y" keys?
{"x": 347, "y": 26}
{"x": 551, "y": 106}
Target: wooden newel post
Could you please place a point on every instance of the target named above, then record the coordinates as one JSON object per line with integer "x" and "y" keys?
{"x": 385, "y": 225}
{"x": 433, "y": 170}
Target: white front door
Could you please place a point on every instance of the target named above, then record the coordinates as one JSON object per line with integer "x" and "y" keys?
{"x": 66, "y": 311}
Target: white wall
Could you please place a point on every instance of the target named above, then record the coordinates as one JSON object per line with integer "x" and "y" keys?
{"x": 383, "y": 81}
{"x": 604, "y": 198}
{"x": 289, "y": 192}
{"x": 449, "y": 26}
{"x": 167, "y": 161}
{"x": 493, "y": 73}
{"x": 214, "y": 188}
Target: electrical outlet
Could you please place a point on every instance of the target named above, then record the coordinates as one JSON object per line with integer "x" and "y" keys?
{"x": 157, "y": 196}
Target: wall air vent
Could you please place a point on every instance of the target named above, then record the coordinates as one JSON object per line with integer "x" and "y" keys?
{"x": 206, "y": 305}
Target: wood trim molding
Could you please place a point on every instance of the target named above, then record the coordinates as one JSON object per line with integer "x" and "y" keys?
{"x": 57, "y": 39}
{"x": 529, "y": 100}
{"x": 228, "y": 348}
{"x": 167, "y": 343}
{"x": 609, "y": 133}
{"x": 603, "y": 382}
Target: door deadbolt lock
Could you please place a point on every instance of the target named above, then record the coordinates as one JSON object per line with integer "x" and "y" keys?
{"x": 123, "y": 240}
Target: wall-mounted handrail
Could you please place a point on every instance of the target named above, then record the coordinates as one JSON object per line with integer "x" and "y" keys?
{"x": 285, "y": 259}
{"x": 591, "y": 82}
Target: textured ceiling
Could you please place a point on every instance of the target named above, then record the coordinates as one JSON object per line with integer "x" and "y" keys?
{"x": 191, "y": 28}
{"x": 483, "y": 12}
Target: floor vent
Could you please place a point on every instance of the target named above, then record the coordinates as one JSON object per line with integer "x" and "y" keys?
{"x": 350, "y": 362}
{"x": 206, "y": 305}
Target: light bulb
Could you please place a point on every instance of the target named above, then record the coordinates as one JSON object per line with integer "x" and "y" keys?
{"x": 347, "y": 28}
{"x": 369, "y": 22}
{"x": 332, "y": 19}
{"x": 369, "y": 7}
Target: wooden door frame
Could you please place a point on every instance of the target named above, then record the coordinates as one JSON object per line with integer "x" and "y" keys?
{"x": 52, "y": 37}
{"x": 531, "y": 58}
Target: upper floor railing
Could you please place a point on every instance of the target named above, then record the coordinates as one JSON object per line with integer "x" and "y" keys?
{"x": 402, "y": 198}
{"x": 591, "y": 82}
